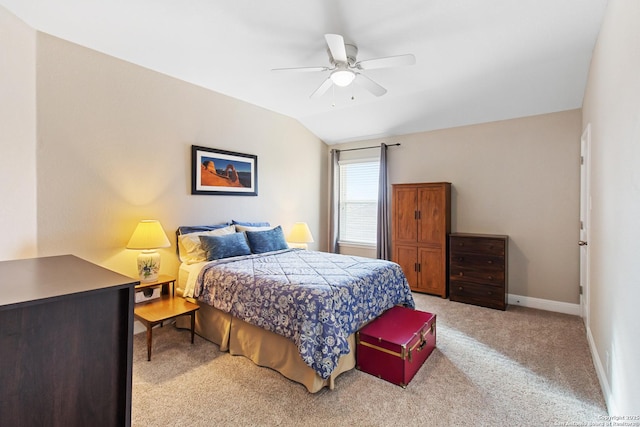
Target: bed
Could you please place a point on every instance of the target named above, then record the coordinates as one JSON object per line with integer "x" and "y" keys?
{"x": 292, "y": 310}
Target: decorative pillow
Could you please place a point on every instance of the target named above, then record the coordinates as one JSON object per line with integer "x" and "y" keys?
{"x": 190, "y": 248}
{"x": 267, "y": 240}
{"x": 252, "y": 228}
{"x": 228, "y": 245}
{"x": 250, "y": 224}
{"x": 187, "y": 229}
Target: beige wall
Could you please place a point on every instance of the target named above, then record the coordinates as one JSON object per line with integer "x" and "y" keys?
{"x": 114, "y": 147}
{"x": 517, "y": 177}
{"x": 17, "y": 138}
{"x": 612, "y": 108}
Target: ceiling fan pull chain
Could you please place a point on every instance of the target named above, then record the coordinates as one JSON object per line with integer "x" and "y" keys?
{"x": 333, "y": 96}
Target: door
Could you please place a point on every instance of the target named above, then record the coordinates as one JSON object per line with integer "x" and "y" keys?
{"x": 405, "y": 215}
{"x": 431, "y": 215}
{"x": 585, "y": 208}
{"x": 431, "y": 271}
{"x": 406, "y": 257}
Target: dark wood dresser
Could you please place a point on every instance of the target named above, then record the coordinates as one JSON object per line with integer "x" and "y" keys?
{"x": 66, "y": 342}
{"x": 478, "y": 265}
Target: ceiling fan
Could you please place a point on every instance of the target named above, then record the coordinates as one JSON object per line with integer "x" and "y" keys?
{"x": 346, "y": 69}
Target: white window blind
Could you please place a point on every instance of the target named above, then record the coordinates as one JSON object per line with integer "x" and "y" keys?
{"x": 359, "y": 201}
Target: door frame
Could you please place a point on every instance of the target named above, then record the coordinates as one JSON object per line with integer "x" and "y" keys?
{"x": 585, "y": 223}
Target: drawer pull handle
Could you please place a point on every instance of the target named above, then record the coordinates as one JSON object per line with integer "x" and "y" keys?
{"x": 459, "y": 288}
{"x": 490, "y": 277}
{"x": 489, "y": 262}
{"x": 461, "y": 274}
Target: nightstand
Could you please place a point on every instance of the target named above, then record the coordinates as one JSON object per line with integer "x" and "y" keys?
{"x": 168, "y": 306}
{"x": 165, "y": 281}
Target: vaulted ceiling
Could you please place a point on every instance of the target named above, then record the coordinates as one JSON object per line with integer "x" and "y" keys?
{"x": 476, "y": 61}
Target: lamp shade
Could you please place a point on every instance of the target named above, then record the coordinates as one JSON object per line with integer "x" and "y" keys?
{"x": 300, "y": 233}
{"x": 148, "y": 235}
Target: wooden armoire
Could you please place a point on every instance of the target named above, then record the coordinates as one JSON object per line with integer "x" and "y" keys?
{"x": 421, "y": 222}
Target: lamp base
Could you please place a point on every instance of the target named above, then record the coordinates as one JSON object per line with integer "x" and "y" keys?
{"x": 148, "y": 266}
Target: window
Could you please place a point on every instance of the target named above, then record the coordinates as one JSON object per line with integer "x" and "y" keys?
{"x": 359, "y": 201}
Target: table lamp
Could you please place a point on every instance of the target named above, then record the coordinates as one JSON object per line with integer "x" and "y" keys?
{"x": 299, "y": 236}
{"x": 148, "y": 236}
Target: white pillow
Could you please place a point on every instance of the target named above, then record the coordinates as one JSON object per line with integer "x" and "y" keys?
{"x": 190, "y": 249}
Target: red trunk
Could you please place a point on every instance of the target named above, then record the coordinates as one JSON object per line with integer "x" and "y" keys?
{"x": 395, "y": 345}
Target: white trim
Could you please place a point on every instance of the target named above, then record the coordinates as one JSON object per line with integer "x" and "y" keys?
{"x": 544, "y": 304}
{"x": 346, "y": 244}
{"x": 359, "y": 160}
{"x": 585, "y": 220}
{"x": 601, "y": 373}
{"x": 138, "y": 327}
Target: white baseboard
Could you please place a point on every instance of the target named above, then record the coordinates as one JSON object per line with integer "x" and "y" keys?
{"x": 601, "y": 373}
{"x": 138, "y": 327}
{"x": 544, "y": 304}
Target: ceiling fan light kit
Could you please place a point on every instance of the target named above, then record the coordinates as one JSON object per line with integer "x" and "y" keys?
{"x": 345, "y": 69}
{"x": 342, "y": 78}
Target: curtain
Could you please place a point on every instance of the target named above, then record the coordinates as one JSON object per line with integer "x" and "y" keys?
{"x": 334, "y": 202}
{"x": 383, "y": 246}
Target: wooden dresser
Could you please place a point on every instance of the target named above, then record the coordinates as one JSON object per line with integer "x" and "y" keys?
{"x": 478, "y": 269}
{"x": 421, "y": 221}
{"x": 66, "y": 342}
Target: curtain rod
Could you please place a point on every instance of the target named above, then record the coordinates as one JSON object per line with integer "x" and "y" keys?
{"x": 366, "y": 148}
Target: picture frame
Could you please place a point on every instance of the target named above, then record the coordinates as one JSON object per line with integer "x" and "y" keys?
{"x": 221, "y": 172}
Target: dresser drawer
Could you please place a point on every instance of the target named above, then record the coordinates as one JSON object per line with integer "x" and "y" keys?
{"x": 477, "y": 261}
{"x": 487, "y": 246}
{"x": 477, "y": 274}
{"x": 473, "y": 293}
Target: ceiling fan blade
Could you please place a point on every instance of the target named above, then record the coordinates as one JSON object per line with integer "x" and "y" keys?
{"x": 322, "y": 89}
{"x": 370, "y": 85}
{"x": 388, "y": 61}
{"x": 336, "y": 46}
{"x": 303, "y": 69}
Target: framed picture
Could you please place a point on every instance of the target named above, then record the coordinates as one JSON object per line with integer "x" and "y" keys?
{"x": 223, "y": 172}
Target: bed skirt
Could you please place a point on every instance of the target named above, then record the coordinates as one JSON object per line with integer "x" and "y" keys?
{"x": 264, "y": 348}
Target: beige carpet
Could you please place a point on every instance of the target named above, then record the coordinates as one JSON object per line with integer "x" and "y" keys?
{"x": 521, "y": 367}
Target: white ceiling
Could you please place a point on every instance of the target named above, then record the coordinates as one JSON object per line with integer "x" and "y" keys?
{"x": 476, "y": 61}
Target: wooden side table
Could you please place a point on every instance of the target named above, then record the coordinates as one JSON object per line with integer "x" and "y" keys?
{"x": 167, "y": 307}
{"x": 165, "y": 281}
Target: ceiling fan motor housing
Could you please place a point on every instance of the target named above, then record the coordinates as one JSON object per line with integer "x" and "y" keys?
{"x": 352, "y": 53}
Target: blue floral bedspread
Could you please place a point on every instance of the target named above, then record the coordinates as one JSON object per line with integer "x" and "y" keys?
{"x": 316, "y": 299}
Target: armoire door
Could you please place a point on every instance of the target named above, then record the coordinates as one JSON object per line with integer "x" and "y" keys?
{"x": 431, "y": 215}
{"x": 431, "y": 271}
{"x": 405, "y": 215}
{"x": 406, "y": 257}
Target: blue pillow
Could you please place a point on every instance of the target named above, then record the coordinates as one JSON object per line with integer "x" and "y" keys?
{"x": 250, "y": 224}
{"x": 225, "y": 246}
{"x": 186, "y": 229}
{"x": 267, "y": 240}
